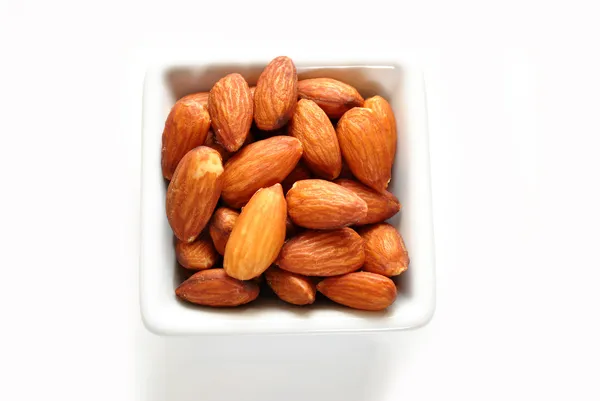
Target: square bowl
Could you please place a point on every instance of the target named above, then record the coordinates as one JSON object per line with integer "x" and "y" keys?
{"x": 163, "y": 313}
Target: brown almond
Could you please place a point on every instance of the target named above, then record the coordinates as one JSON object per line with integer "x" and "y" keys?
{"x": 385, "y": 251}
{"x": 365, "y": 148}
{"x": 384, "y": 113}
{"x": 257, "y": 235}
{"x": 276, "y": 94}
{"x": 186, "y": 128}
{"x": 259, "y": 165}
{"x": 381, "y": 205}
{"x": 221, "y": 226}
{"x": 323, "y": 205}
{"x": 290, "y": 287}
{"x": 333, "y": 96}
{"x": 213, "y": 287}
{"x": 231, "y": 109}
{"x": 197, "y": 255}
{"x": 360, "y": 290}
{"x": 300, "y": 172}
{"x": 323, "y": 253}
{"x": 321, "y": 150}
{"x": 194, "y": 192}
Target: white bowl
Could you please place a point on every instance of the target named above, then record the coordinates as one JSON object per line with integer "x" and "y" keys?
{"x": 163, "y": 313}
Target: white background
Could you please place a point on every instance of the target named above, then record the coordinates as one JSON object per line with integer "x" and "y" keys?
{"x": 513, "y": 92}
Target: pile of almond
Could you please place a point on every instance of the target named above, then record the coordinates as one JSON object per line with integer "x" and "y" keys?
{"x": 269, "y": 197}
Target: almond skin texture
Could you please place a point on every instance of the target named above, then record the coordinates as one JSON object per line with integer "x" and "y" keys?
{"x": 365, "y": 148}
{"x": 300, "y": 172}
{"x": 231, "y": 108}
{"x": 257, "y": 235}
{"x": 323, "y": 205}
{"x": 381, "y": 205}
{"x": 259, "y": 165}
{"x": 333, "y": 96}
{"x": 221, "y": 226}
{"x": 202, "y": 97}
{"x": 385, "y": 251}
{"x": 211, "y": 142}
{"x": 276, "y": 94}
{"x": 186, "y": 128}
{"x": 215, "y": 288}
{"x": 321, "y": 150}
{"x": 323, "y": 253}
{"x": 290, "y": 287}
{"x": 360, "y": 290}
{"x": 194, "y": 192}
{"x": 384, "y": 113}
{"x": 198, "y": 255}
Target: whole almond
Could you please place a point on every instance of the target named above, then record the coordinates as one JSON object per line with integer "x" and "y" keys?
{"x": 384, "y": 113}
{"x": 290, "y": 287}
{"x": 186, "y": 128}
{"x": 323, "y": 205}
{"x": 333, "y": 96}
{"x": 197, "y": 255}
{"x": 323, "y": 253}
{"x": 300, "y": 172}
{"x": 321, "y": 150}
{"x": 259, "y": 165}
{"x": 360, "y": 290}
{"x": 381, "y": 205}
{"x": 231, "y": 109}
{"x": 202, "y": 97}
{"x": 365, "y": 148}
{"x": 194, "y": 192}
{"x": 257, "y": 235}
{"x": 385, "y": 251}
{"x": 213, "y": 287}
{"x": 276, "y": 94}
{"x": 221, "y": 226}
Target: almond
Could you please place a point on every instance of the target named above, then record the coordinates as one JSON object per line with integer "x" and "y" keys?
{"x": 290, "y": 287}
{"x": 211, "y": 142}
{"x": 360, "y": 290}
{"x": 323, "y": 205}
{"x": 300, "y": 172}
{"x": 257, "y": 235}
{"x": 384, "y": 113}
{"x": 221, "y": 226}
{"x": 323, "y": 253}
{"x": 186, "y": 128}
{"x": 365, "y": 148}
{"x": 321, "y": 150}
{"x": 381, "y": 205}
{"x": 259, "y": 165}
{"x": 231, "y": 108}
{"x": 202, "y": 97}
{"x": 194, "y": 192}
{"x": 215, "y": 288}
{"x": 197, "y": 255}
{"x": 276, "y": 94}
{"x": 333, "y": 96}
{"x": 385, "y": 251}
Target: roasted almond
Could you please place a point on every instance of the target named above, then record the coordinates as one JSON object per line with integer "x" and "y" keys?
{"x": 300, "y": 172}
{"x": 333, "y": 96}
{"x": 276, "y": 94}
{"x": 385, "y": 251}
{"x": 257, "y": 235}
{"x": 323, "y": 205}
{"x": 365, "y": 148}
{"x": 323, "y": 253}
{"x": 360, "y": 290}
{"x": 290, "y": 287}
{"x": 213, "y": 287}
{"x": 186, "y": 128}
{"x": 231, "y": 109}
{"x": 221, "y": 226}
{"x": 197, "y": 255}
{"x": 259, "y": 165}
{"x": 384, "y": 113}
{"x": 321, "y": 150}
{"x": 194, "y": 192}
{"x": 381, "y": 205}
